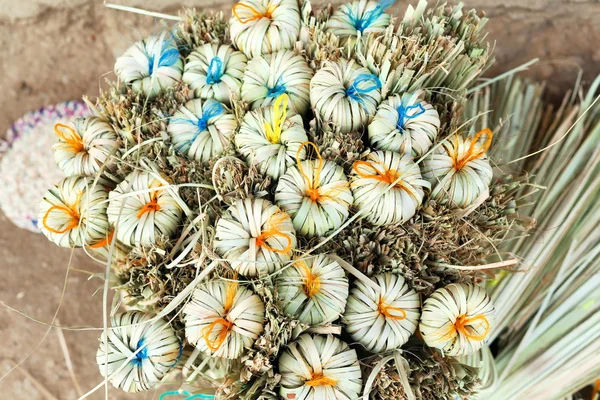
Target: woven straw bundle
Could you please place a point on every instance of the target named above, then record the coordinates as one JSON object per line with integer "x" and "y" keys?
{"x": 459, "y": 170}
{"x": 84, "y": 150}
{"x": 223, "y": 318}
{"x": 255, "y": 236}
{"x": 151, "y": 66}
{"x": 316, "y": 194}
{"x": 370, "y": 183}
{"x": 319, "y": 368}
{"x": 201, "y": 129}
{"x": 405, "y": 124}
{"x": 346, "y": 94}
{"x": 215, "y": 72}
{"x": 270, "y": 138}
{"x": 313, "y": 290}
{"x": 137, "y": 351}
{"x": 142, "y": 208}
{"x": 382, "y": 320}
{"x": 457, "y": 319}
{"x": 73, "y": 213}
{"x": 271, "y": 75}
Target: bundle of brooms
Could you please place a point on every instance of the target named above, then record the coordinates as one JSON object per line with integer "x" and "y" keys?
{"x": 315, "y": 203}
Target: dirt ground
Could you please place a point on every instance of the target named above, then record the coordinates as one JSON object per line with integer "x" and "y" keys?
{"x": 56, "y": 50}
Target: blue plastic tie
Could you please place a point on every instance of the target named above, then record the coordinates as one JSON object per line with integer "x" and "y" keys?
{"x": 215, "y": 71}
{"x": 277, "y": 90}
{"x": 403, "y": 113}
{"x": 369, "y": 17}
{"x": 169, "y": 54}
{"x": 214, "y": 109}
{"x": 142, "y": 354}
{"x": 355, "y": 91}
{"x": 190, "y": 396}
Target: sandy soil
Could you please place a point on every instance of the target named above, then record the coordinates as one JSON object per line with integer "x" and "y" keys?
{"x": 56, "y": 50}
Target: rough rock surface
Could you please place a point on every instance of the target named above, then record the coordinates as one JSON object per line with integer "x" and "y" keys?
{"x": 56, "y": 50}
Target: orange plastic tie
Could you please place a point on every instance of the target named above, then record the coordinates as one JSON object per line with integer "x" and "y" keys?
{"x": 104, "y": 242}
{"x": 272, "y": 229}
{"x": 73, "y": 223}
{"x": 320, "y": 380}
{"x": 383, "y": 310}
{"x": 152, "y": 205}
{"x": 70, "y": 210}
{"x": 312, "y": 283}
{"x": 256, "y": 15}
{"x": 474, "y": 151}
{"x": 387, "y": 176}
{"x": 313, "y": 191}
{"x": 230, "y": 296}
{"x": 70, "y": 137}
{"x": 214, "y": 345}
{"x": 461, "y": 326}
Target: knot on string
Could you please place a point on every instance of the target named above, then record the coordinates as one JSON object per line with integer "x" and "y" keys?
{"x": 69, "y": 136}
{"x": 152, "y": 205}
{"x": 364, "y": 22}
{"x": 104, "y": 242}
{"x": 403, "y": 114}
{"x": 245, "y": 13}
{"x": 273, "y": 130}
{"x": 388, "y": 176}
{"x": 72, "y": 214}
{"x": 475, "y": 150}
{"x": 277, "y": 90}
{"x": 213, "y": 110}
{"x": 214, "y": 344}
{"x": 215, "y": 71}
{"x": 360, "y": 86}
{"x": 142, "y": 354}
{"x": 317, "y": 379}
{"x": 462, "y": 323}
{"x": 312, "y": 283}
{"x": 313, "y": 191}
{"x": 384, "y": 308}
{"x": 167, "y": 56}
{"x": 272, "y": 230}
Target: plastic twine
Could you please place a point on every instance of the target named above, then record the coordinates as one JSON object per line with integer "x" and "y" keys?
{"x": 188, "y": 394}
{"x": 272, "y": 230}
{"x": 71, "y": 211}
{"x": 355, "y": 91}
{"x": 254, "y": 13}
{"x": 320, "y": 380}
{"x": 369, "y": 17}
{"x": 403, "y": 113}
{"x": 214, "y": 345}
{"x": 462, "y": 321}
{"x": 312, "y": 283}
{"x": 70, "y": 137}
{"x": 383, "y": 310}
{"x": 215, "y": 71}
{"x": 312, "y": 190}
{"x": 169, "y": 54}
{"x": 277, "y": 90}
{"x": 474, "y": 151}
{"x": 273, "y": 131}
{"x": 386, "y": 176}
{"x": 152, "y": 205}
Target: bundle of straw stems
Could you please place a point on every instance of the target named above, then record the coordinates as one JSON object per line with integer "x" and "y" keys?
{"x": 548, "y": 311}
